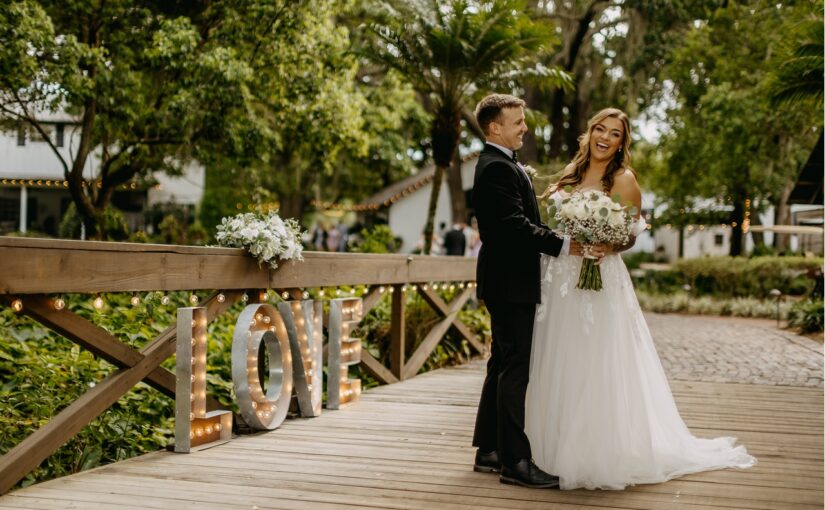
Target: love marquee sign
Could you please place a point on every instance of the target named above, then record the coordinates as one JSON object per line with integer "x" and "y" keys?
{"x": 292, "y": 335}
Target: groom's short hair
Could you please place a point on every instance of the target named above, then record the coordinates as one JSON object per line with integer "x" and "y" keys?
{"x": 489, "y": 108}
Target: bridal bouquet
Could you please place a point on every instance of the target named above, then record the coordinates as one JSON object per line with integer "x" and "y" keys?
{"x": 266, "y": 236}
{"x": 591, "y": 217}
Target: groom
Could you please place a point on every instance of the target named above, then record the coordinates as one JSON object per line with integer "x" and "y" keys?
{"x": 508, "y": 277}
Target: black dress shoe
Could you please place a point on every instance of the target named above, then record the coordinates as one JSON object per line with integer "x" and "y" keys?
{"x": 487, "y": 462}
{"x": 527, "y": 474}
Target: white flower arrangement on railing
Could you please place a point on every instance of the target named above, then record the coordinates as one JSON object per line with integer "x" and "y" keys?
{"x": 266, "y": 237}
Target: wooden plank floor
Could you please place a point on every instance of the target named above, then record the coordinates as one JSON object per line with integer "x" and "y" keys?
{"x": 407, "y": 446}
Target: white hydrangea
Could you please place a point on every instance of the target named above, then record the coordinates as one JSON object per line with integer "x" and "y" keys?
{"x": 592, "y": 218}
{"x": 267, "y": 237}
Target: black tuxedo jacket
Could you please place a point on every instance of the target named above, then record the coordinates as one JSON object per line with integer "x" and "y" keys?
{"x": 512, "y": 234}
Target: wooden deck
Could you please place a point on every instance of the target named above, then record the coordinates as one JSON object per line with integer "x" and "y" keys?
{"x": 407, "y": 445}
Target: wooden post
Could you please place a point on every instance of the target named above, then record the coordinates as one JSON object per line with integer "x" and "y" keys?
{"x": 397, "y": 333}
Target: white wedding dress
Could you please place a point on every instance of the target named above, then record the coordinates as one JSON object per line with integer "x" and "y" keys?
{"x": 599, "y": 411}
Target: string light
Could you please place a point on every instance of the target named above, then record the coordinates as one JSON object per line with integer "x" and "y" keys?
{"x": 59, "y": 304}
{"x": 221, "y": 298}
{"x": 54, "y": 183}
{"x": 98, "y": 302}
{"x": 285, "y": 295}
{"x": 135, "y": 300}
{"x": 17, "y": 305}
{"x": 164, "y": 300}
{"x": 193, "y": 299}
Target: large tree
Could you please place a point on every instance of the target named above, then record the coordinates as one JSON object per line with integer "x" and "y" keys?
{"x": 728, "y": 142}
{"x": 447, "y": 50}
{"x": 614, "y": 51}
{"x": 147, "y": 82}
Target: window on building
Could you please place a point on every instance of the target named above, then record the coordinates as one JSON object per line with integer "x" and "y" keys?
{"x": 37, "y": 137}
{"x": 59, "y": 135}
{"x": 718, "y": 239}
{"x": 21, "y": 135}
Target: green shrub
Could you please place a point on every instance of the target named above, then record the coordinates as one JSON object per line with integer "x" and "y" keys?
{"x": 806, "y": 315}
{"x": 112, "y": 223}
{"x": 378, "y": 239}
{"x": 736, "y": 276}
{"x": 682, "y": 302}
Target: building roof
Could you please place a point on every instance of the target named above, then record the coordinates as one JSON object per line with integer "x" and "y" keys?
{"x": 398, "y": 190}
{"x": 808, "y": 189}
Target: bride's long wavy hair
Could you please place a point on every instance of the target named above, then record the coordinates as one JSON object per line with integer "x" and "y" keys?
{"x": 582, "y": 158}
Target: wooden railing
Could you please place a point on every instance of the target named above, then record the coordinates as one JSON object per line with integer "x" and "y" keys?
{"x": 35, "y": 272}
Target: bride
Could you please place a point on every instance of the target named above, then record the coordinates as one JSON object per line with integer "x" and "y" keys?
{"x": 599, "y": 411}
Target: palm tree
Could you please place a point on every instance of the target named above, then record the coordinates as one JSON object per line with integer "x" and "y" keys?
{"x": 448, "y": 50}
{"x": 798, "y": 75}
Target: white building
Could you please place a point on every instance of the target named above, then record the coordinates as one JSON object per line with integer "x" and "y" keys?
{"x": 34, "y": 194}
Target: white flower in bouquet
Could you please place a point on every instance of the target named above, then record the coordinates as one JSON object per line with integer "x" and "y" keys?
{"x": 592, "y": 217}
{"x": 267, "y": 237}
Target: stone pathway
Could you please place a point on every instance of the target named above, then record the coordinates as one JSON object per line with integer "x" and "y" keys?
{"x": 718, "y": 349}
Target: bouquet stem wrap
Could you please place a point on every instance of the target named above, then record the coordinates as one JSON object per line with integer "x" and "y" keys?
{"x": 590, "y": 276}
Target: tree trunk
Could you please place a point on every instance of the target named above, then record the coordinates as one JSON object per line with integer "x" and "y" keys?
{"x": 81, "y": 198}
{"x": 573, "y": 128}
{"x": 557, "y": 125}
{"x": 681, "y": 251}
{"x": 736, "y": 232}
{"x": 429, "y": 227}
{"x": 445, "y": 132}
{"x": 292, "y": 205}
{"x": 529, "y": 152}
{"x": 457, "y": 197}
{"x": 782, "y": 216}
{"x": 758, "y": 237}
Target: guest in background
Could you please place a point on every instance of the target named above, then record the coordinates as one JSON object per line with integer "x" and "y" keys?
{"x": 474, "y": 241}
{"x": 454, "y": 241}
{"x": 319, "y": 237}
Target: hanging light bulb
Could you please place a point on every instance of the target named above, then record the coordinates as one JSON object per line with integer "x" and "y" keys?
{"x": 193, "y": 299}
{"x": 164, "y": 299}
{"x": 17, "y": 305}
{"x": 59, "y": 304}
{"x": 135, "y": 300}
{"x": 221, "y": 298}
{"x": 245, "y": 297}
{"x": 285, "y": 295}
{"x": 305, "y": 295}
{"x": 98, "y": 302}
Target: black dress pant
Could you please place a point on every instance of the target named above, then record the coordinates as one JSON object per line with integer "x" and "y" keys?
{"x": 500, "y": 419}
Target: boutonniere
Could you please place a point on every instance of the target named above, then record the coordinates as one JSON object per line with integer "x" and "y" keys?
{"x": 530, "y": 171}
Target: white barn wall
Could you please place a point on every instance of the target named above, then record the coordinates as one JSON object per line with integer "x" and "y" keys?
{"x": 408, "y": 215}
{"x": 36, "y": 160}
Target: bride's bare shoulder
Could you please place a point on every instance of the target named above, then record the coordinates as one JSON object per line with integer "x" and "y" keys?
{"x": 626, "y": 186}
